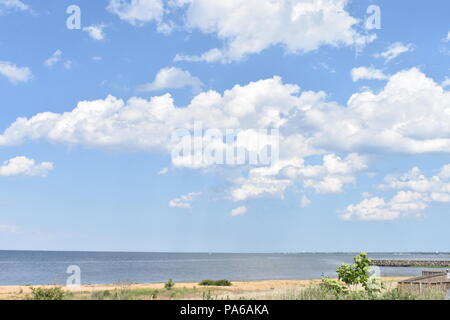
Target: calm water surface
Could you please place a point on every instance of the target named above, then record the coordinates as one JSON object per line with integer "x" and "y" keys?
{"x": 43, "y": 267}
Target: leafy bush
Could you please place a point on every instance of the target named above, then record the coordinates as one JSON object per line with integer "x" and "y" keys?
{"x": 55, "y": 293}
{"x": 374, "y": 286}
{"x": 333, "y": 286}
{"x": 169, "y": 284}
{"x": 216, "y": 283}
{"x": 358, "y": 273}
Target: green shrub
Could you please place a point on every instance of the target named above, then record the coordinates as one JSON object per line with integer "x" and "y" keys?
{"x": 55, "y": 293}
{"x": 358, "y": 273}
{"x": 215, "y": 283}
{"x": 333, "y": 286}
{"x": 374, "y": 286}
{"x": 169, "y": 284}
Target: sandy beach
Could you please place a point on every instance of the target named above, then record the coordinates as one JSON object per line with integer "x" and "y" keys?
{"x": 268, "y": 289}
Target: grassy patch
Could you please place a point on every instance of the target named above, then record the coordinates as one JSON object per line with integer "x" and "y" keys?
{"x": 321, "y": 293}
{"x": 55, "y": 293}
{"x": 148, "y": 294}
{"x": 215, "y": 283}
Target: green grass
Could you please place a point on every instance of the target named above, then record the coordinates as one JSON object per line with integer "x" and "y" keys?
{"x": 215, "y": 283}
{"x": 320, "y": 293}
{"x": 55, "y": 293}
{"x": 147, "y": 294}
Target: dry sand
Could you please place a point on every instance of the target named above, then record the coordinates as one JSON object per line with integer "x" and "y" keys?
{"x": 248, "y": 289}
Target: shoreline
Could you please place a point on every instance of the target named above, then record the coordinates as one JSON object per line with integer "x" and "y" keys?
{"x": 189, "y": 290}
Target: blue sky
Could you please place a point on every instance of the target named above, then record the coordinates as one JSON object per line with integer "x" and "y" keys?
{"x": 363, "y": 115}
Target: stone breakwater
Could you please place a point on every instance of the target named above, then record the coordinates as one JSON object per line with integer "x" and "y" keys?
{"x": 411, "y": 263}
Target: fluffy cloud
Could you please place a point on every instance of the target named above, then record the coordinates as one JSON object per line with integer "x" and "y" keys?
{"x": 22, "y": 166}
{"x": 148, "y": 124}
{"x": 239, "y": 211}
{"x": 96, "y": 31}
{"x": 394, "y": 51}
{"x": 329, "y": 177}
{"x": 137, "y": 12}
{"x": 367, "y": 73}
{"x": 410, "y": 115}
{"x": 172, "y": 78}
{"x": 13, "y": 73}
{"x": 252, "y": 26}
{"x": 372, "y": 209}
{"x": 415, "y": 193}
{"x": 256, "y": 186}
{"x": 184, "y": 201}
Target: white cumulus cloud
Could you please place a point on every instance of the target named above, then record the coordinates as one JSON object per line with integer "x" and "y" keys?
{"x": 137, "y": 12}
{"x": 172, "y": 78}
{"x": 22, "y": 166}
{"x": 96, "y": 32}
{"x": 415, "y": 193}
{"x": 251, "y": 26}
{"x": 13, "y": 73}
{"x": 410, "y": 115}
{"x": 367, "y": 73}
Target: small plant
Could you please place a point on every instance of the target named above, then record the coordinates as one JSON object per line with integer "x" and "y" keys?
{"x": 216, "y": 283}
{"x": 334, "y": 286}
{"x": 374, "y": 286}
{"x": 358, "y": 273}
{"x": 55, "y": 293}
{"x": 169, "y": 284}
